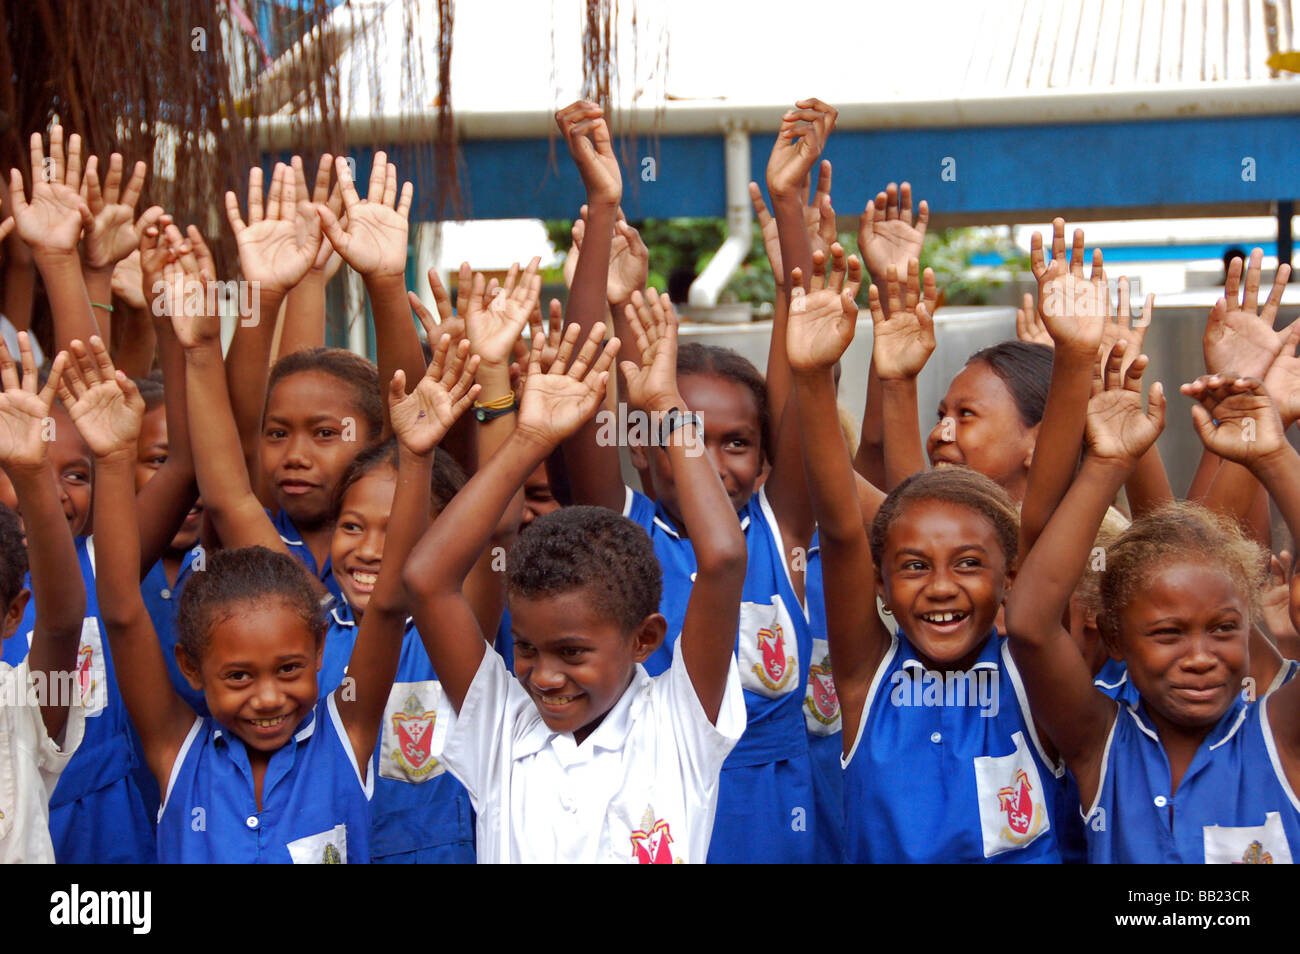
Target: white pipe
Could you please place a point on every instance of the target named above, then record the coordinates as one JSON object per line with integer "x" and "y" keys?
{"x": 740, "y": 216}
{"x": 1172, "y": 101}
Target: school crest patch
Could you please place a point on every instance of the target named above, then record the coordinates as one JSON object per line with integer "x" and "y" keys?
{"x": 412, "y": 734}
{"x": 1013, "y": 811}
{"x": 821, "y": 704}
{"x": 651, "y": 844}
{"x": 766, "y": 651}
{"x": 1264, "y": 844}
{"x": 325, "y": 848}
{"x": 92, "y": 673}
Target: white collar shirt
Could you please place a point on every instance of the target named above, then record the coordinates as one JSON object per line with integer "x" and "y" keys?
{"x": 643, "y": 787}
{"x": 30, "y": 764}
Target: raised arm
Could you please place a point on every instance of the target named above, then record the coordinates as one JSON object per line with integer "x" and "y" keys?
{"x": 818, "y": 335}
{"x": 57, "y": 586}
{"x": 51, "y": 224}
{"x": 1075, "y": 716}
{"x": 304, "y": 306}
{"x": 375, "y": 245}
{"x": 554, "y": 404}
{"x": 593, "y": 469}
{"x": 276, "y": 248}
{"x": 888, "y": 234}
{"x": 107, "y": 410}
{"x": 420, "y": 420}
{"x": 904, "y": 341}
{"x": 713, "y": 611}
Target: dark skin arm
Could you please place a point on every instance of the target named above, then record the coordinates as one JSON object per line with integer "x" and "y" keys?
{"x": 817, "y": 337}
{"x": 594, "y": 471}
{"x": 553, "y": 405}
{"x": 56, "y": 583}
{"x": 1075, "y": 716}
{"x": 420, "y": 420}
{"x": 303, "y": 326}
{"x": 107, "y": 410}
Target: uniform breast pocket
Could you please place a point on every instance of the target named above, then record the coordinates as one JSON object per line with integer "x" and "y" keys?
{"x": 327, "y": 848}
{"x": 92, "y": 674}
{"x": 1013, "y": 806}
{"x": 412, "y": 736}
{"x": 821, "y": 704}
{"x": 767, "y": 652}
{"x": 1264, "y": 844}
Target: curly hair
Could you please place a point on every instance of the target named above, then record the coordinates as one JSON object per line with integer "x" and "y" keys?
{"x": 955, "y": 485}
{"x": 13, "y": 555}
{"x": 696, "y": 358}
{"x": 151, "y": 390}
{"x": 447, "y": 478}
{"x": 1026, "y": 369}
{"x": 591, "y": 549}
{"x": 1177, "y": 531}
{"x": 232, "y": 580}
{"x": 354, "y": 371}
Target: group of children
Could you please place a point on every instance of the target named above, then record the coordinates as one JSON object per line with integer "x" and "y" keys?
{"x": 280, "y": 604}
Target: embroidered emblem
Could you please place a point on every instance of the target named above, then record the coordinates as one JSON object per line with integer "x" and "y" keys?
{"x": 413, "y": 727}
{"x": 776, "y": 667}
{"x": 1256, "y": 855}
{"x": 331, "y": 856}
{"x": 1024, "y": 818}
{"x": 823, "y": 701}
{"x": 650, "y": 843}
{"x": 86, "y": 673}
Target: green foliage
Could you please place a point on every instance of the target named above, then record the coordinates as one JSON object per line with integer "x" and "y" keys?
{"x": 688, "y": 244}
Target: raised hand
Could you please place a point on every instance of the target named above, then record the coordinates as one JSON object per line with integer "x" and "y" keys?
{"x": 888, "y": 234}
{"x": 184, "y": 287}
{"x": 54, "y": 218}
{"x": 374, "y": 242}
{"x": 280, "y": 241}
{"x": 557, "y": 402}
{"x": 449, "y": 321}
{"x": 104, "y": 404}
{"x": 583, "y": 127}
{"x": 629, "y": 259}
{"x": 1235, "y": 418}
{"x": 1073, "y": 309}
{"x": 822, "y": 321}
{"x": 904, "y": 337}
{"x": 327, "y": 261}
{"x": 1118, "y": 429}
{"x": 1283, "y": 379}
{"x": 493, "y": 325}
{"x": 1239, "y": 336}
{"x": 1029, "y": 325}
{"x": 422, "y": 418}
{"x": 115, "y": 232}
{"x": 25, "y": 412}
{"x": 653, "y": 385}
{"x": 128, "y": 279}
{"x": 1275, "y": 598}
{"x": 799, "y": 144}
{"x": 819, "y": 220}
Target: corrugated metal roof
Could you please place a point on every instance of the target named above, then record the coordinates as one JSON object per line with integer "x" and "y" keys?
{"x": 1126, "y": 43}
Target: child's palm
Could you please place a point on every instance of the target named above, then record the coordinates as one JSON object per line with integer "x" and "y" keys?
{"x": 1074, "y": 309}
{"x": 902, "y": 346}
{"x": 1117, "y": 426}
{"x": 270, "y": 255}
{"x": 423, "y": 417}
{"x": 1239, "y": 342}
{"x": 890, "y": 242}
{"x": 1245, "y": 427}
{"x": 23, "y": 416}
{"x": 112, "y": 237}
{"x": 494, "y": 329}
{"x": 555, "y": 405}
{"x": 820, "y": 330}
{"x": 107, "y": 419}
{"x": 376, "y": 238}
{"x": 53, "y": 218}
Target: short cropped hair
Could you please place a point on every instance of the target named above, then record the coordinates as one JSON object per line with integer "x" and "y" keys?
{"x": 233, "y": 579}
{"x": 13, "y": 555}
{"x": 1177, "y": 531}
{"x": 591, "y": 549}
{"x": 356, "y": 373}
{"x": 956, "y": 485}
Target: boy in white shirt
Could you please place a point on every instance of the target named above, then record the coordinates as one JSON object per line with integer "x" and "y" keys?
{"x": 40, "y": 700}
{"x": 581, "y": 756}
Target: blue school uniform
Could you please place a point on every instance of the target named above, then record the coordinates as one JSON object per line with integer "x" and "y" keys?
{"x": 1233, "y": 804}
{"x": 293, "y": 540}
{"x": 340, "y": 638}
{"x": 766, "y": 789}
{"x": 949, "y": 770}
{"x": 420, "y": 813}
{"x": 821, "y": 712}
{"x": 315, "y": 807}
{"x": 97, "y": 813}
{"x": 161, "y": 600}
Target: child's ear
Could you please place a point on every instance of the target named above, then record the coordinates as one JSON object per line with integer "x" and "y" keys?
{"x": 189, "y": 669}
{"x": 1032, "y": 437}
{"x": 14, "y": 614}
{"x": 649, "y": 636}
{"x": 881, "y": 592}
{"x": 320, "y": 653}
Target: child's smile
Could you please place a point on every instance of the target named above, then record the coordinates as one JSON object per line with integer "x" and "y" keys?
{"x": 357, "y": 546}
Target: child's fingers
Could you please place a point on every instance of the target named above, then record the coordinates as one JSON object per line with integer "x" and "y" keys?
{"x": 232, "y": 214}
{"x": 202, "y": 254}
{"x": 378, "y": 177}
{"x": 1250, "y": 300}
{"x": 1098, "y": 266}
{"x": 8, "y": 370}
{"x": 565, "y": 350}
{"x": 1269, "y": 314}
{"x": 397, "y": 389}
{"x": 86, "y": 366}
{"x": 760, "y": 206}
{"x": 638, "y": 316}
{"x": 113, "y": 181}
{"x": 535, "y": 355}
{"x": 595, "y": 340}
{"x": 873, "y": 304}
{"x": 1076, "y": 254}
{"x": 1133, "y": 373}
{"x": 823, "y": 183}
{"x": 440, "y": 297}
{"x": 464, "y": 284}
{"x": 72, "y": 175}
{"x": 853, "y": 284}
{"x": 36, "y": 151}
{"x": 930, "y": 291}
{"x": 891, "y": 201}
{"x": 28, "y": 362}
{"x": 922, "y": 217}
{"x": 912, "y": 293}
{"x": 1231, "y": 282}
{"x": 1157, "y": 406}
{"x": 55, "y": 379}
{"x": 599, "y": 373}
{"x": 1114, "y": 366}
{"x": 90, "y": 185}
{"x": 422, "y": 314}
{"x": 99, "y": 352}
{"x": 347, "y": 188}
{"x": 555, "y": 325}
{"x": 321, "y": 187}
{"x": 1058, "y": 239}
{"x": 892, "y": 291}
